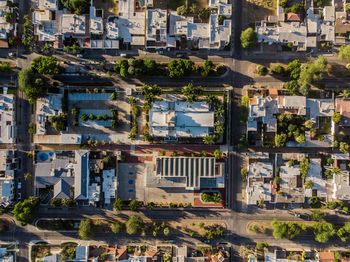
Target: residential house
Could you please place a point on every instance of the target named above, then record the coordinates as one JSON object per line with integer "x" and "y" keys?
{"x": 8, "y": 166}
{"x": 342, "y": 106}
{"x": 65, "y": 174}
{"x": 295, "y": 30}
{"x": 194, "y": 35}
{"x": 131, "y": 22}
{"x": 8, "y": 127}
{"x": 259, "y": 179}
{"x": 51, "y": 105}
{"x": 341, "y": 178}
{"x": 291, "y": 189}
{"x": 7, "y": 255}
{"x": 319, "y": 185}
{"x": 44, "y": 20}
{"x": 342, "y": 22}
{"x": 174, "y": 120}
{"x": 262, "y": 118}
{"x": 263, "y": 111}
{"x": 156, "y": 33}
{"x": 7, "y": 24}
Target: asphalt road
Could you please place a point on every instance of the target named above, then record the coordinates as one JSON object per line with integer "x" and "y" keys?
{"x": 237, "y": 233}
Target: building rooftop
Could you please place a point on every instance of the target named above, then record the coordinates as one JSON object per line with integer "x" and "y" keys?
{"x": 47, "y": 4}
{"x": 295, "y": 104}
{"x": 63, "y": 170}
{"x": 45, "y": 107}
{"x": 341, "y": 185}
{"x": 156, "y": 32}
{"x": 7, "y": 119}
{"x": 74, "y": 24}
{"x": 193, "y": 171}
{"x": 291, "y": 185}
{"x": 181, "y": 119}
{"x": 315, "y": 175}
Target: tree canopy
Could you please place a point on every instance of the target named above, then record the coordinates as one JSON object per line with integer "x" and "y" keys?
{"x": 323, "y": 231}
{"x": 24, "y": 211}
{"x": 31, "y": 84}
{"x": 248, "y": 38}
{"x": 191, "y": 92}
{"x": 45, "y": 65}
{"x": 85, "y": 231}
{"x": 313, "y": 71}
{"x": 77, "y": 6}
{"x": 344, "y": 53}
{"x": 285, "y": 230}
{"x": 134, "y": 224}
{"x": 180, "y": 67}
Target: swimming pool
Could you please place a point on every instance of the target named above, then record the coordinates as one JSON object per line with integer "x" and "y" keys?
{"x": 44, "y": 156}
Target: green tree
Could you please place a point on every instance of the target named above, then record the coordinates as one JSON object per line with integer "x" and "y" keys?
{"x": 278, "y": 70}
{"x": 323, "y": 231}
{"x": 244, "y": 174}
{"x": 134, "y": 224}
{"x": 31, "y": 84}
{"x": 309, "y": 124}
{"x": 301, "y": 139}
{"x": 344, "y": 232}
{"x": 5, "y": 67}
{"x": 248, "y": 38}
{"x": 45, "y": 65}
{"x": 182, "y": 10}
{"x": 343, "y": 147}
{"x": 294, "y": 68}
{"x": 204, "y": 14}
{"x": 313, "y": 71}
{"x": 209, "y": 140}
{"x": 208, "y": 68}
{"x": 280, "y": 140}
{"x": 25, "y": 210}
{"x": 194, "y": 9}
{"x": 77, "y": 6}
{"x": 27, "y": 34}
{"x": 116, "y": 227}
{"x": 261, "y": 70}
{"x": 336, "y": 117}
{"x": 180, "y": 68}
{"x": 344, "y": 53}
{"x": 308, "y": 184}
{"x": 191, "y": 92}
{"x": 134, "y": 204}
{"x": 118, "y": 204}
{"x": 85, "y": 230}
{"x": 285, "y": 230}
{"x": 166, "y": 231}
{"x": 217, "y": 154}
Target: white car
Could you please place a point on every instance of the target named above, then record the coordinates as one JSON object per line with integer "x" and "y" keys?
{"x": 19, "y": 185}
{"x": 79, "y": 55}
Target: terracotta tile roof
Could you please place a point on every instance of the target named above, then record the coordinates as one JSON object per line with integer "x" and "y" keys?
{"x": 293, "y": 17}
{"x": 4, "y": 44}
{"x": 326, "y": 256}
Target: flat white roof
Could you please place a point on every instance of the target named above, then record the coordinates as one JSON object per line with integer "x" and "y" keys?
{"x": 181, "y": 119}
{"x": 73, "y": 24}
{"x": 7, "y": 119}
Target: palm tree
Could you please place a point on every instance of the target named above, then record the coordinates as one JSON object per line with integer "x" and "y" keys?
{"x": 209, "y": 140}
{"x": 194, "y": 9}
{"x": 345, "y": 94}
{"x": 114, "y": 95}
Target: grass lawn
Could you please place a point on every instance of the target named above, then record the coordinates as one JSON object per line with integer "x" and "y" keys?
{"x": 255, "y": 10}
{"x": 173, "y": 4}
